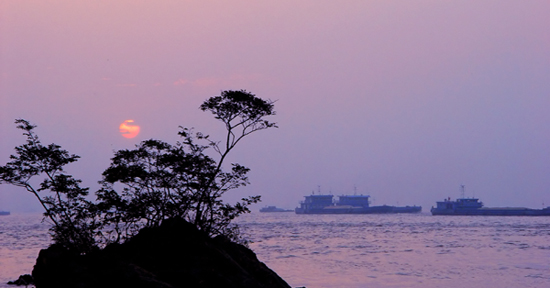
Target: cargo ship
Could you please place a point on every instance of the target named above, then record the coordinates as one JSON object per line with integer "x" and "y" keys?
{"x": 348, "y": 204}
{"x": 4, "y": 213}
{"x": 273, "y": 209}
{"x": 472, "y": 206}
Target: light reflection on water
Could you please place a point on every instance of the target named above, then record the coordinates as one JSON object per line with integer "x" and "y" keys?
{"x": 417, "y": 250}
{"x": 21, "y": 238}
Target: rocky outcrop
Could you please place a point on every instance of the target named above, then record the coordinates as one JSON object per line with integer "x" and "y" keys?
{"x": 24, "y": 280}
{"x": 175, "y": 254}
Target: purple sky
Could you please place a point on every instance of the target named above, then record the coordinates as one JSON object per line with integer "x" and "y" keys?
{"x": 405, "y": 100}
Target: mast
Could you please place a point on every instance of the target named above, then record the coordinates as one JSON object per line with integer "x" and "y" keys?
{"x": 462, "y": 188}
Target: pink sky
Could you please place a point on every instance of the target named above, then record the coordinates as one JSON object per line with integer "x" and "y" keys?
{"x": 406, "y": 100}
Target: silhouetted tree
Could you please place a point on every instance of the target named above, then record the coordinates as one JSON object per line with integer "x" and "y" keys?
{"x": 159, "y": 181}
{"x": 59, "y": 194}
{"x": 242, "y": 113}
{"x": 162, "y": 181}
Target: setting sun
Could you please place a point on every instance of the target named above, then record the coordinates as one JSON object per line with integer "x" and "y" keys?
{"x": 128, "y": 129}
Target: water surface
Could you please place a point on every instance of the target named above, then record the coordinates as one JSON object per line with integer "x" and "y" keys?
{"x": 21, "y": 238}
{"x": 329, "y": 251}
{"x": 406, "y": 250}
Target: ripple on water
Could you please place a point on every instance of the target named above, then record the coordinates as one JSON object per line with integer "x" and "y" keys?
{"x": 22, "y": 237}
{"x": 369, "y": 250}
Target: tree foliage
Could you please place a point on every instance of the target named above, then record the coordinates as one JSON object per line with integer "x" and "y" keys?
{"x": 161, "y": 181}
{"x": 146, "y": 185}
{"x": 65, "y": 204}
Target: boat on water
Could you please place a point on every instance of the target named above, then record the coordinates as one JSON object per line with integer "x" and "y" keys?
{"x": 348, "y": 204}
{"x": 4, "y": 213}
{"x": 273, "y": 209}
{"x": 472, "y": 206}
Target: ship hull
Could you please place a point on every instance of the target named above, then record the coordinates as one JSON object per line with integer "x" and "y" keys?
{"x": 493, "y": 212}
{"x": 361, "y": 210}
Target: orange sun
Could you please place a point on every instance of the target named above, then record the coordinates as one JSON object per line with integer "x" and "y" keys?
{"x": 128, "y": 129}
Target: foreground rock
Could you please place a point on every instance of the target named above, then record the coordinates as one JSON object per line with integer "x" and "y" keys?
{"x": 24, "y": 280}
{"x": 173, "y": 255}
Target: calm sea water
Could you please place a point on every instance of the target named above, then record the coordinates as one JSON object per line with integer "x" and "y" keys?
{"x": 416, "y": 250}
{"x": 21, "y": 238}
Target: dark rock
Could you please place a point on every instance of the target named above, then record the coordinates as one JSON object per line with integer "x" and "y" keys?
{"x": 25, "y": 279}
{"x": 175, "y": 254}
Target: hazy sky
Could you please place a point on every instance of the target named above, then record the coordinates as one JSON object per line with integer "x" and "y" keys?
{"x": 405, "y": 100}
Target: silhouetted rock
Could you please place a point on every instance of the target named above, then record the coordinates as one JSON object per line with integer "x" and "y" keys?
{"x": 175, "y": 254}
{"x": 25, "y": 279}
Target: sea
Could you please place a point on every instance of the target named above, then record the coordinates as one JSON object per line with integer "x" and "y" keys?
{"x": 392, "y": 250}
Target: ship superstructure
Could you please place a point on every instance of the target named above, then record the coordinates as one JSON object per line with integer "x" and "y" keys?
{"x": 348, "y": 204}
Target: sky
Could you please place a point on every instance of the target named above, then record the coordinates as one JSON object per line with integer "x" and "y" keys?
{"x": 401, "y": 100}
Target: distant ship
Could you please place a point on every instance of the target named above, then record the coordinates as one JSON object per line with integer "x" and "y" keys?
{"x": 472, "y": 206}
{"x": 348, "y": 204}
{"x": 4, "y": 213}
{"x": 274, "y": 209}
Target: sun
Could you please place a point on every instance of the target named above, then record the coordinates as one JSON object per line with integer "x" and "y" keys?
{"x": 128, "y": 129}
